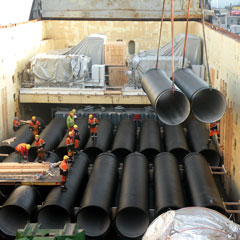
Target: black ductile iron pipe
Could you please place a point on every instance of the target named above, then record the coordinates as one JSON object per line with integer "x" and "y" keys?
{"x": 52, "y": 135}
{"x": 132, "y": 217}
{"x": 58, "y": 207}
{"x": 207, "y": 104}
{"x": 175, "y": 141}
{"x": 83, "y": 130}
{"x": 104, "y": 140}
{"x": 171, "y": 108}
{"x": 150, "y": 140}
{"x": 94, "y": 215}
{"x": 197, "y": 136}
{"x": 124, "y": 142}
{"x": 18, "y": 210}
{"x": 168, "y": 188}
{"x": 202, "y": 187}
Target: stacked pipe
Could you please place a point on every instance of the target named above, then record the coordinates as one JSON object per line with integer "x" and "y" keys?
{"x": 58, "y": 207}
{"x": 18, "y": 210}
{"x": 83, "y": 130}
{"x": 168, "y": 188}
{"x": 150, "y": 141}
{"x": 198, "y": 139}
{"x": 132, "y": 213}
{"x": 171, "y": 107}
{"x": 104, "y": 140}
{"x": 124, "y": 142}
{"x": 94, "y": 215}
{"x": 202, "y": 187}
{"x": 52, "y": 135}
{"x": 175, "y": 141}
{"x": 207, "y": 104}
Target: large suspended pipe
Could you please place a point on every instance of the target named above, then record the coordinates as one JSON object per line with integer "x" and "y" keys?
{"x": 197, "y": 135}
{"x": 104, "y": 140}
{"x": 18, "y": 210}
{"x": 150, "y": 141}
{"x": 94, "y": 215}
{"x": 168, "y": 188}
{"x": 171, "y": 108}
{"x": 52, "y": 135}
{"x": 207, "y": 104}
{"x": 83, "y": 130}
{"x": 132, "y": 214}
{"x": 124, "y": 142}
{"x": 202, "y": 187}
{"x": 58, "y": 207}
{"x": 176, "y": 142}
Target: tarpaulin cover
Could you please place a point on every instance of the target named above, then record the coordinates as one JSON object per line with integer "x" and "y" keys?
{"x": 192, "y": 223}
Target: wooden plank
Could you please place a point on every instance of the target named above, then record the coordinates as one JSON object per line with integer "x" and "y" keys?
{"x": 10, "y": 171}
{"x": 117, "y": 76}
{"x": 4, "y": 155}
{"x": 115, "y": 53}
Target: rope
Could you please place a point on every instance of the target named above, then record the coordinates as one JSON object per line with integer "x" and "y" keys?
{"x": 205, "y": 45}
{"x": 186, "y": 33}
{"x": 160, "y": 34}
{"x": 172, "y": 29}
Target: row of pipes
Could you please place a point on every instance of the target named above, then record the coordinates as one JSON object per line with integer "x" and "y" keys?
{"x": 190, "y": 92}
{"x": 96, "y": 196}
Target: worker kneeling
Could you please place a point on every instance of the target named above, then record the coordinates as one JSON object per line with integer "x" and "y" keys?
{"x": 22, "y": 152}
{"x": 70, "y": 145}
{"x": 64, "y": 172}
{"x": 39, "y": 144}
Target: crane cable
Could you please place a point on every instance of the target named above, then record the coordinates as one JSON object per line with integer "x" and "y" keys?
{"x": 160, "y": 33}
{"x": 172, "y": 31}
{"x": 186, "y": 33}
{"x": 205, "y": 45}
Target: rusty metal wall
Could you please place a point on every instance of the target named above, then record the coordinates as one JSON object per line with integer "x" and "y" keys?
{"x": 115, "y": 9}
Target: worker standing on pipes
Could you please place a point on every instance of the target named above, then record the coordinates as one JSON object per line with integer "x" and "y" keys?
{"x": 22, "y": 152}
{"x": 34, "y": 126}
{"x": 93, "y": 125}
{"x": 70, "y": 121}
{"x": 16, "y": 124}
{"x": 76, "y": 138}
{"x": 39, "y": 144}
{"x": 64, "y": 172}
{"x": 70, "y": 145}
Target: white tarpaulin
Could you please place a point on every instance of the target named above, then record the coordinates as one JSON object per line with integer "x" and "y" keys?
{"x": 193, "y": 223}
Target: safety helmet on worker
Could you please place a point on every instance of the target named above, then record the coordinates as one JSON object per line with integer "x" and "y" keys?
{"x": 70, "y": 133}
{"x": 74, "y": 111}
{"x": 36, "y": 137}
{"x": 75, "y": 126}
{"x": 90, "y": 116}
{"x": 66, "y": 157}
{"x": 28, "y": 146}
{"x": 33, "y": 118}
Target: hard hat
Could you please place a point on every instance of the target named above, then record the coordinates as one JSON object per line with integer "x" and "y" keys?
{"x": 66, "y": 157}
{"x": 70, "y": 133}
{"x": 33, "y": 118}
{"x": 36, "y": 136}
{"x": 90, "y": 116}
{"x": 75, "y": 126}
{"x": 74, "y": 111}
{"x": 28, "y": 146}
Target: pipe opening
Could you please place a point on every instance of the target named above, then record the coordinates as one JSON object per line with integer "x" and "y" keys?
{"x": 61, "y": 151}
{"x": 179, "y": 154}
{"x": 12, "y": 218}
{"x": 121, "y": 153}
{"x": 6, "y": 149}
{"x": 150, "y": 153}
{"x": 132, "y": 222}
{"x": 211, "y": 156}
{"x": 92, "y": 153}
{"x": 32, "y": 154}
{"x": 94, "y": 220}
{"x": 208, "y": 105}
{"x": 53, "y": 216}
{"x": 172, "y": 108}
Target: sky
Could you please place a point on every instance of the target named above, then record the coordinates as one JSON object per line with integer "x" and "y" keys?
{"x": 14, "y": 11}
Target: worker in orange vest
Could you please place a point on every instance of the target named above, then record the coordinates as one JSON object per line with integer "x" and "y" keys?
{"x": 39, "y": 143}
{"x": 22, "y": 151}
{"x": 214, "y": 129}
{"x": 64, "y": 172}
{"x": 16, "y": 124}
{"x": 34, "y": 126}
{"x": 70, "y": 145}
{"x": 92, "y": 125}
{"x": 76, "y": 137}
